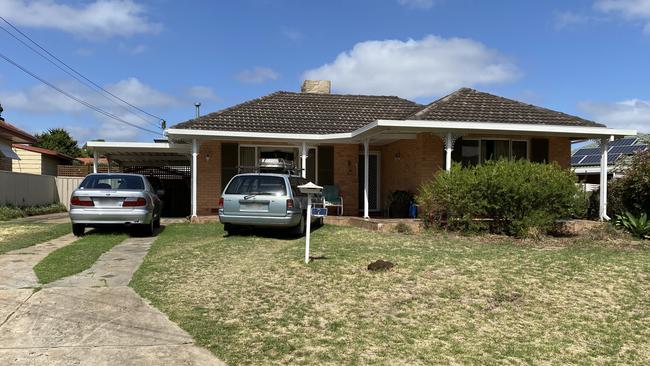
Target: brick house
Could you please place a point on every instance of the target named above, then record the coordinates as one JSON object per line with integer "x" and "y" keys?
{"x": 336, "y": 139}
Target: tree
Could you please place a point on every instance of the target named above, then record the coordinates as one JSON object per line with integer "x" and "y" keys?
{"x": 58, "y": 139}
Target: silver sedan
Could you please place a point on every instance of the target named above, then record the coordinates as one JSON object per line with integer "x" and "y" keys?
{"x": 115, "y": 199}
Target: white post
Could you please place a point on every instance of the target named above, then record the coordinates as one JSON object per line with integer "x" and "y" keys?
{"x": 195, "y": 153}
{"x": 108, "y": 161}
{"x": 308, "y": 233}
{"x": 303, "y": 161}
{"x": 602, "y": 212}
{"x": 95, "y": 161}
{"x": 449, "y": 147}
{"x": 366, "y": 165}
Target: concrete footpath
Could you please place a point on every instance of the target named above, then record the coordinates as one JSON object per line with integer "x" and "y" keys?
{"x": 92, "y": 318}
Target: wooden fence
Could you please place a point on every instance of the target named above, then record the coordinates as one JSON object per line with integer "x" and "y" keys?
{"x": 82, "y": 170}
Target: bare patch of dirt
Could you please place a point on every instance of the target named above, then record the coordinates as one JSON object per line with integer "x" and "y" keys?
{"x": 380, "y": 265}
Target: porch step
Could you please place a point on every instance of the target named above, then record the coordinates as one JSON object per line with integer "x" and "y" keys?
{"x": 374, "y": 224}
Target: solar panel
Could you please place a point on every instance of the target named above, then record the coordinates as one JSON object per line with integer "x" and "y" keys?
{"x": 623, "y": 142}
{"x": 625, "y": 149}
{"x": 591, "y": 160}
{"x": 611, "y": 158}
{"x": 575, "y": 160}
{"x": 587, "y": 151}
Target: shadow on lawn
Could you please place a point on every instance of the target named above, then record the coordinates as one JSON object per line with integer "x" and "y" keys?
{"x": 121, "y": 229}
{"x": 271, "y": 233}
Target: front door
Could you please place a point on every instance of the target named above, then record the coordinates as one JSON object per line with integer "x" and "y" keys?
{"x": 373, "y": 181}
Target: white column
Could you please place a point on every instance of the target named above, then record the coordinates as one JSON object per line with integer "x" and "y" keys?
{"x": 95, "y": 161}
{"x": 449, "y": 147}
{"x": 303, "y": 161}
{"x": 366, "y": 166}
{"x": 195, "y": 153}
{"x": 602, "y": 212}
{"x": 308, "y": 228}
{"x": 108, "y": 161}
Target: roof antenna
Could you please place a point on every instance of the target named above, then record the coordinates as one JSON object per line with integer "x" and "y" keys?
{"x": 198, "y": 109}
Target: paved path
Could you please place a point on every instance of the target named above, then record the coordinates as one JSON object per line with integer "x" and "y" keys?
{"x": 93, "y": 318}
{"x": 55, "y": 218}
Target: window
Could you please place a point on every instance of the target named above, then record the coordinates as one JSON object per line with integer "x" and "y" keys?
{"x": 112, "y": 182}
{"x": 247, "y": 157}
{"x": 494, "y": 149}
{"x": 519, "y": 150}
{"x": 258, "y": 185}
{"x": 471, "y": 152}
{"x": 295, "y": 182}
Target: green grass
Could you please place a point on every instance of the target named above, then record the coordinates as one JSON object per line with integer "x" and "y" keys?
{"x": 76, "y": 257}
{"x": 14, "y": 212}
{"x": 448, "y": 300}
{"x": 16, "y": 236}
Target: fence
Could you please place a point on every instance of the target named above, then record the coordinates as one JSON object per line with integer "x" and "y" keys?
{"x": 23, "y": 189}
{"x": 82, "y": 170}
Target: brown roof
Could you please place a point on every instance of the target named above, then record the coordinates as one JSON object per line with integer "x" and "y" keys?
{"x": 288, "y": 112}
{"x": 15, "y": 134}
{"x": 43, "y": 151}
{"x": 469, "y": 105}
{"x": 304, "y": 113}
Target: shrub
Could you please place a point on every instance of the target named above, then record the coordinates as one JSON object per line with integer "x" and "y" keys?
{"x": 631, "y": 192}
{"x": 13, "y": 212}
{"x": 510, "y": 197}
{"x": 637, "y": 226}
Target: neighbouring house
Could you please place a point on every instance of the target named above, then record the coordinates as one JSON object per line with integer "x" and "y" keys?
{"x": 586, "y": 160}
{"x": 10, "y": 135}
{"x": 37, "y": 160}
{"x": 366, "y": 145}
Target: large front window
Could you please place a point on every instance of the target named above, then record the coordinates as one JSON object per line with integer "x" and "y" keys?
{"x": 472, "y": 151}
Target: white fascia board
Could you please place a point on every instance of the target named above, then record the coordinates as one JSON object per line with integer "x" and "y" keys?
{"x": 108, "y": 146}
{"x": 590, "y": 169}
{"x": 239, "y": 135}
{"x": 520, "y": 128}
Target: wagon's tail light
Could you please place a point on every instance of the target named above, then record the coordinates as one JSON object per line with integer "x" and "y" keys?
{"x": 221, "y": 202}
{"x": 289, "y": 204}
{"x": 134, "y": 202}
{"x": 81, "y": 201}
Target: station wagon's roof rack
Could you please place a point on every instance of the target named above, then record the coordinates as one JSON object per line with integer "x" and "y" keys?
{"x": 270, "y": 165}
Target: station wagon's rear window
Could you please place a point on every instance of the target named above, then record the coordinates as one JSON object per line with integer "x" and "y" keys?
{"x": 258, "y": 185}
{"x": 112, "y": 182}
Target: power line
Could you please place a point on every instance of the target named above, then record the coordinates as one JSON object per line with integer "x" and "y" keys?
{"x": 77, "y": 72}
{"x": 75, "y": 77}
{"x": 78, "y": 100}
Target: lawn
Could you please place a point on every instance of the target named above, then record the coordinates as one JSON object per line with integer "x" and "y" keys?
{"x": 449, "y": 299}
{"x": 76, "y": 257}
{"x": 21, "y": 235}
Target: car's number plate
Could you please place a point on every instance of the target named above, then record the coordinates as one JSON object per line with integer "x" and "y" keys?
{"x": 254, "y": 206}
{"x": 108, "y": 202}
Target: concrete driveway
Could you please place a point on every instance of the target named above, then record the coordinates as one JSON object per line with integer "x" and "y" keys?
{"x": 92, "y": 318}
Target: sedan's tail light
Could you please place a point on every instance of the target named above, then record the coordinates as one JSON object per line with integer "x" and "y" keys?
{"x": 289, "y": 204}
{"x": 221, "y": 202}
{"x": 81, "y": 201}
{"x": 134, "y": 202}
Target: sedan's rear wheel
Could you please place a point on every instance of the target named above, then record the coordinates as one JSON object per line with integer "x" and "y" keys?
{"x": 78, "y": 229}
{"x": 146, "y": 229}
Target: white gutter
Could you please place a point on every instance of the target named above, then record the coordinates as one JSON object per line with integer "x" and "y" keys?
{"x": 411, "y": 125}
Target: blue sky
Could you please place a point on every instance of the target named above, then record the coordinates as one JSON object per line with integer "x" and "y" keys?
{"x": 588, "y": 58}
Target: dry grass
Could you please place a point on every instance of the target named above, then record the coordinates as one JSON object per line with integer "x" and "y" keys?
{"x": 20, "y": 235}
{"x": 448, "y": 300}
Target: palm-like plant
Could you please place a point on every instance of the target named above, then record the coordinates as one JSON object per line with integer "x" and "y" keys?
{"x": 637, "y": 226}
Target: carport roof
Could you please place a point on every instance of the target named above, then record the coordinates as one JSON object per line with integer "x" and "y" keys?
{"x": 142, "y": 153}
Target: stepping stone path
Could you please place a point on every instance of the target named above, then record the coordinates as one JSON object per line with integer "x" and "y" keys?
{"x": 91, "y": 318}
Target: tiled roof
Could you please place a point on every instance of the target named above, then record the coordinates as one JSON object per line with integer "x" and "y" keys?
{"x": 15, "y": 134}
{"x": 469, "y": 105}
{"x": 287, "y": 112}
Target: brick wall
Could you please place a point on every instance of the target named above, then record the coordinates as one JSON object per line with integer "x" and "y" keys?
{"x": 559, "y": 150}
{"x": 209, "y": 178}
{"x": 346, "y": 176}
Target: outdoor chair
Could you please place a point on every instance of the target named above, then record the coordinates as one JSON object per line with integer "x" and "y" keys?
{"x": 332, "y": 197}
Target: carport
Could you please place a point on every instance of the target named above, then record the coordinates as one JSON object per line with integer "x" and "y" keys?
{"x": 166, "y": 164}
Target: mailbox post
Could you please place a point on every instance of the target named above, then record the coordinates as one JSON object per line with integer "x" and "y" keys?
{"x": 310, "y": 189}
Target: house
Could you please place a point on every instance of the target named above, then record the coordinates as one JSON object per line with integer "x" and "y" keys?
{"x": 37, "y": 160}
{"x": 367, "y": 145}
{"x": 585, "y": 161}
{"x": 10, "y": 135}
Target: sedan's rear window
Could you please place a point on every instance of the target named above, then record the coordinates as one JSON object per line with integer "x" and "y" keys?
{"x": 258, "y": 185}
{"x": 112, "y": 182}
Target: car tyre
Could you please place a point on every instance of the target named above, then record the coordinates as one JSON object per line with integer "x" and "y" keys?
{"x": 146, "y": 229}
{"x": 156, "y": 223}
{"x": 230, "y": 229}
{"x": 78, "y": 229}
{"x": 300, "y": 229}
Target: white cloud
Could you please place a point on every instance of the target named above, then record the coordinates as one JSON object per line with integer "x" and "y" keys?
{"x": 96, "y": 19}
{"x": 635, "y": 10}
{"x": 417, "y": 4}
{"x": 632, "y": 113}
{"x": 257, "y": 75}
{"x": 203, "y": 94}
{"x": 415, "y": 68}
{"x": 568, "y": 18}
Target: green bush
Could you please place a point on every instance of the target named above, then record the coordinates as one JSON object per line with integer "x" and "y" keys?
{"x": 631, "y": 192}
{"x": 510, "y": 197}
{"x": 637, "y": 226}
{"x": 13, "y": 212}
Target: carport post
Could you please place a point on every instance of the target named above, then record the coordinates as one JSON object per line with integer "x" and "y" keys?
{"x": 95, "y": 161}
{"x": 195, "y": 153}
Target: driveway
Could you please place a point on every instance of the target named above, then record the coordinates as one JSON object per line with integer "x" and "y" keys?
{"x": 92, "y": 318}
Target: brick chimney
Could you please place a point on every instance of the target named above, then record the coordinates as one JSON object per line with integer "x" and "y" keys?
{"x": 316, "y": 86}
